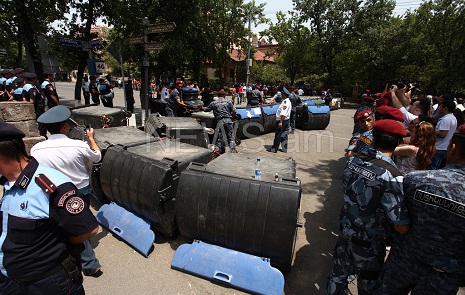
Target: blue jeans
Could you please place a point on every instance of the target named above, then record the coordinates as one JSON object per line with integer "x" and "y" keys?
{"x": 437, "y": 159}
{"x": 88, "y": 259}
{"x": 280, "y": 136}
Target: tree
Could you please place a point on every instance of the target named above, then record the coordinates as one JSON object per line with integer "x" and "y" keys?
{"x": 293, "y": 38}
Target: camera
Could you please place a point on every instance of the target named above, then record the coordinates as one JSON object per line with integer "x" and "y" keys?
{"x": 88, "y": 127}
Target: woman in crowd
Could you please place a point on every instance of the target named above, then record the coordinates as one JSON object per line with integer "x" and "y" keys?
{"x": 418, "y": 154}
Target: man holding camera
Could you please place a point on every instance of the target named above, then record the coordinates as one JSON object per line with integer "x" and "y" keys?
{"x": 68, "y": 156}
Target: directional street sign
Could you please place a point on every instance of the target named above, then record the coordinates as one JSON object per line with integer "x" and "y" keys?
{"x": 154, "y": 46}
{"x": 134, "y": 40}
{"x": 160, "y": 28}
{"x": 71, "y": 42}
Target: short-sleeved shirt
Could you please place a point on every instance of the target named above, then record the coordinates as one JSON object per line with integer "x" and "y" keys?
{"x": 284, "y": 109}
{"x": 373, "y": 198}
{"x": 35, "y": 228}
{"x": 408, "y": 116}
{"x": 173, "y": 99}
{"x": 66, "y": 155}
{"x": 165, "y": 94}
{"x": 436, "y": 203}
{"x": 222, "y": 108}
{"x": 49, "y": 90}
{"x": 364, "y": 143}
{"x": 447, "y": 122}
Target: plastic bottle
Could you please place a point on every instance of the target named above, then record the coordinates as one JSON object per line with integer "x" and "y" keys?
{"x": 276, "y": 177}
{"x": 258, "y": 170}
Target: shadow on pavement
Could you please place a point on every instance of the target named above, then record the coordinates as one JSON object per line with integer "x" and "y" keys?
{"x": 313, "y": 261}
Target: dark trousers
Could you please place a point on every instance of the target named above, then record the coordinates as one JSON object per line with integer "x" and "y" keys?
{"x": 86, "y": 98}
{"x": 57, "y": 283}
{"x": 224, "y": 132}
{"x": 95, "y": 99}
{"x": 280, "y": 136}
{"x": 88, "y": 259}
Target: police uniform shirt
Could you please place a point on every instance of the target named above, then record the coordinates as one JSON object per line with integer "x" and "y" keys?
{"x": 18, "y": 94}
{"x": 93, "y": 88}
{"x": 372, "y": 197}
{"x": 436, "y": 202}
{"x": 172, "y": 101}
{"x": 222, "y": 108}
{"x": 49, "y": 90}
{"x": 35, "y": 228}
{"x": 66, "y": 155}
{"x": 284, "y": 109}
{"x": 364, "y": 143}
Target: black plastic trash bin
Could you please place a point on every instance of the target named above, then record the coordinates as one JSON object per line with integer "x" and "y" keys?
{"x": 225, "y": 206}
{"x": 269, "y": 117}
{"x": 251, "y": 122}
{"x": 98, "y": 116}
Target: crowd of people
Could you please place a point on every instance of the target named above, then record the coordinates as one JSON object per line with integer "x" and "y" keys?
{"x": 404, "y": 190}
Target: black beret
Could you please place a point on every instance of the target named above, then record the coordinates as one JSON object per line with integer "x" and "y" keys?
{"x": 19, "y": 80}
{"x": 5, "y": 71}
{"x": 19, "y": 70}
{"x": 48, "y": 73}
{"x": 390, "y": 126}
{"x": 57, "y": 114}
{"x": 29, "y": 76}
{"x": 11, "y": 71}
{"x": 9, "y": 132}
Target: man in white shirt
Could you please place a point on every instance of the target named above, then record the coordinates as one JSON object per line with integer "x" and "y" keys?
{"x": 283, "y": 115}
{"x": 445, "y": 129}
{"x": 164, "y": 96}
{"x": 68, "y": 156}
{"x": 301, "y": 92}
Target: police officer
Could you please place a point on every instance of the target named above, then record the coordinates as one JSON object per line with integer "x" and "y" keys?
{"x": 373, "y": 204}
{"x": 93, "y": 89}
{"x": 207, "y": 95}
{"x": 432, "y": 253}
{"x": 295, "y": 101}
{"x": 68, "y": 156}
{"x": 48, "y": 90}
{"x": 256, "y": 97}
{"x": 32, "y": 94}
{"x": 18, "y": 93}
{"x": 283, "y": 115}
{"x": 223, "y": 110}
{"x": 175, "y": 105}
{"x": 364, "y": 121}
{"x": 44, "y": 222}
{"x": 2, "y": 84}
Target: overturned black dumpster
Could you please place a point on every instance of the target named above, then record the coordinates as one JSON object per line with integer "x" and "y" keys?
{"x": 187, "y": 130}
{"x": 250, "y": 123}
{"x": 269, "y": 117}
{"x": 311, "y": 116}
{"x": 221, "y": 203}
{"x": 99, "y": 116}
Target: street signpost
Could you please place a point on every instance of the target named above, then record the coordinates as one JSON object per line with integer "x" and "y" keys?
{"x": 160, "y": 28}
{"x": 149, "y": 46}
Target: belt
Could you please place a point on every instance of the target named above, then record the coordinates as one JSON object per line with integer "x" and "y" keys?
{"x": 360, "y": 242}
{"x": 38, "y": 276}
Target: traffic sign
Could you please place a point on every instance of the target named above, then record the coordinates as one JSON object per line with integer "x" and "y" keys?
{"x": 71, "y": 42}
{"x": 154, "y": 46}
{"x": 100, "y": 67}
{"x": 160, "y": 28}
{"x": 134, "y": 40}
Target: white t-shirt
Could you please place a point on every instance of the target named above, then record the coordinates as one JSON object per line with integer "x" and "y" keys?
{"x": 408, "y": 117}
{"x": 284, "y": 109}
{"x": 66, "y": 155}
{"x": 447, "y": 122}
{"x": 301, "y": 92}
{"x": 165, "y": 94}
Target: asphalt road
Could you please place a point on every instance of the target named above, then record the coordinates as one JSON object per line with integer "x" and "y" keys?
{"x": 320, "y": 160}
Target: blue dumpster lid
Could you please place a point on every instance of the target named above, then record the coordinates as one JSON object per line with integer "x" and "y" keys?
{"x": 189, "y": 90}
{"x": 129, "y": 227}
{"x": 240, "y": 270}
{"x": 270, "y": 110}
{"x": 248, "y": 113}
{"x": 324, "y": 109}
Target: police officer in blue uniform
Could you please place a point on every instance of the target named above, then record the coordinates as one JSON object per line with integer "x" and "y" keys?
{"x": 223, "y": 110}
{"x": 32, "y": 94}
{"x": 430, "y": 258}
{"x": 18, "y": 93}
{"x": 44, "y": 221}
{"x": 373, "y": 204}
{"x": 3, "y": 73}
{"x": 48, "y": 90}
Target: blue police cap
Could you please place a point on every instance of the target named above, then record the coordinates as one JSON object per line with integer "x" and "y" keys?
{"x": 286, "y": 91}
{"x": 9, "y": 132}
{"x": 57, "y": 114}
{"x": 29, "y": 76}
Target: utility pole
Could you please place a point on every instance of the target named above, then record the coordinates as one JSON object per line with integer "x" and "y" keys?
{"x": 146, "y": 73}
{"x": 249, "y": 61}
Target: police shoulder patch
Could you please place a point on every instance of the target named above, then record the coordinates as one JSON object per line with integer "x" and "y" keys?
{"x": 65, "y": 196}
{"x": 75, "y": 205}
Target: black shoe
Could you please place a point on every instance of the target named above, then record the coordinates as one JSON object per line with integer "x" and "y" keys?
{"x": 271, "y": 150}
{"x": 284, "y": 151}
{"x": 96, "y": 272}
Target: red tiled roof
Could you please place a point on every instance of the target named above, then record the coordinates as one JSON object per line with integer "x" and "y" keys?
{"x": 238, "y": 55}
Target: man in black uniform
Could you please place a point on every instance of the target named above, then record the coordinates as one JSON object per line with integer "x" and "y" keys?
{"x": 93, "y": 89}
{"x": 175, "y": 105}
{"x": 223, "y": 110}
{"x": 32, "y": 94}
{"x": 207, "y": 95}
{"x": 48, "y": 90}
{"x": 45, "y": 220}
